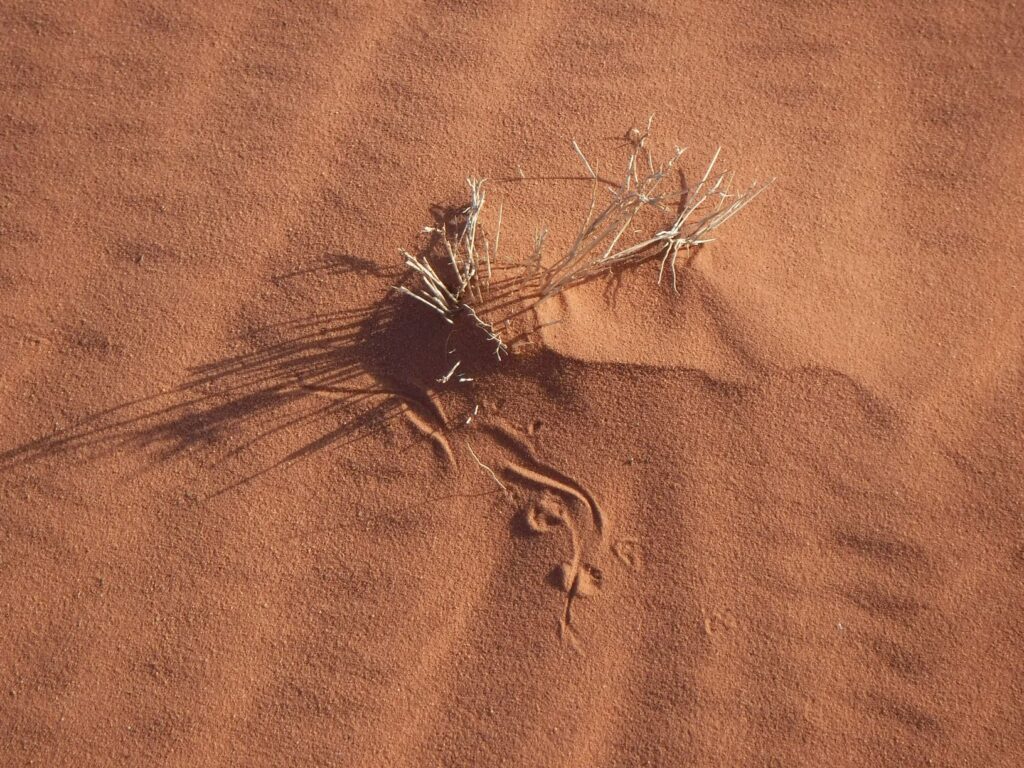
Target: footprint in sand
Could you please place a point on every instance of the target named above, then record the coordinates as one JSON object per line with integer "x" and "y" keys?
{"x": 579, "y": 580}
{"x": 544, "y": 516}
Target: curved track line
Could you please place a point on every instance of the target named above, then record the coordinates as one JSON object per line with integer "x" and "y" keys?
{"x": 432, "y": 433}
{"x": 546, "y": 475}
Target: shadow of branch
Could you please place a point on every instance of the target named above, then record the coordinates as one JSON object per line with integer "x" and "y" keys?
{"x": 331, "y": 378}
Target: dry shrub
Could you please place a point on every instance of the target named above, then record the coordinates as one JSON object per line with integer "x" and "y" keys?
{"x": 459, "y": 280}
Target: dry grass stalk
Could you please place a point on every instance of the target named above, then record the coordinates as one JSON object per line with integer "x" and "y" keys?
{"x": 601, "y": 243}
{"x": 457, "y": 282}
{"x": 469, "y": 274}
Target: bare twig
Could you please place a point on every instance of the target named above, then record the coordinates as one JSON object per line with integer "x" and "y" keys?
{"x": 486, "y": 469}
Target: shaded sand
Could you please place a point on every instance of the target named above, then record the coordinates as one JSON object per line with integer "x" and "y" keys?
{"x": 236, "y": 528}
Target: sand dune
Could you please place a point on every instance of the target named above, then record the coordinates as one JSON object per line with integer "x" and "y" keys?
{"x": 241, "y": 524}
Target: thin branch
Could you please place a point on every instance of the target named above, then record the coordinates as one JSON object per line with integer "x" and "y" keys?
{"x": 486, "y": 469}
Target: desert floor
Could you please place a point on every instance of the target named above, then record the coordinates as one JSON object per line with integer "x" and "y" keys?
{"x": 241, "y": 524}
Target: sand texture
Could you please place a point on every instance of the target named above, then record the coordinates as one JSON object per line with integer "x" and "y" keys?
{"x": 776, "y": 519}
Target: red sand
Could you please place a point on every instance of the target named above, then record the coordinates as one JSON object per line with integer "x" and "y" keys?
{"x": 810, "y": 461}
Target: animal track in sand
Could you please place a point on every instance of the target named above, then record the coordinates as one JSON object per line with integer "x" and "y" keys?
{"x": 434, "y": 434}
{"x": 554, "y": 495}
{"x": 544, "y": 516}
{"x": 552, "y": 511}
{"x": 542, "y": 474}
{"x": 628, "y": 551}
{"x": 556, "y": 483}
{"x": 583, "y": 580}
{"x": 575, "y": 577}
{"x": 409, "y": 404}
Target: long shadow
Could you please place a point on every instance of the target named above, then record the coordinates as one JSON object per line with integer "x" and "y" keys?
{"x": 340, "y": 376}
